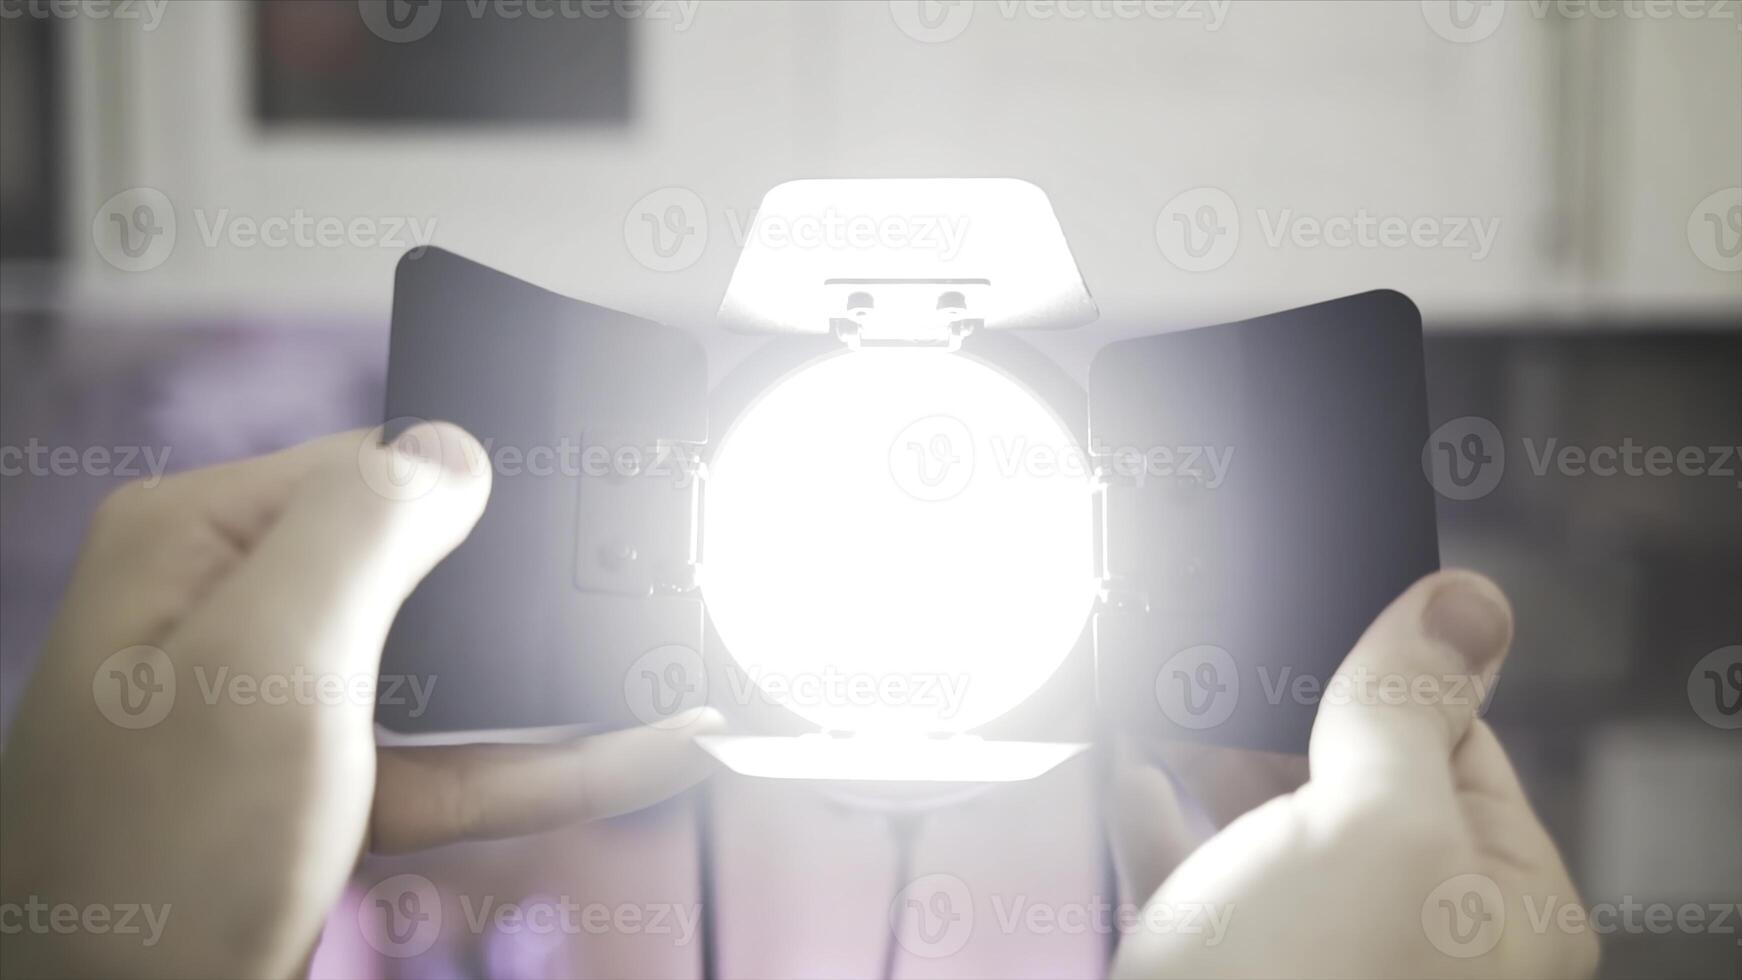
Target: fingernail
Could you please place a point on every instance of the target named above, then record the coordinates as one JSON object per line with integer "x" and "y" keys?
{"x": 431, "y": 443}
{"x": 1468, "y": 615}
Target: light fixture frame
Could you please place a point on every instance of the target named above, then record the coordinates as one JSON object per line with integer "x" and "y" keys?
{"x": 542, "y": 615}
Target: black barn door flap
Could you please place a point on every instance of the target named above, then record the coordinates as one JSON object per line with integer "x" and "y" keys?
{"x": 580, "y": 563}
{"x": 1264, "y": 499}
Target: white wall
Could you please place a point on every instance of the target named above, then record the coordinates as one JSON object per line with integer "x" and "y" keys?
{"x": 1585, "y": 145}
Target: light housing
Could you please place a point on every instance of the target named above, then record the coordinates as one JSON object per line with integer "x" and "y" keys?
{"x": 576, "y": 599}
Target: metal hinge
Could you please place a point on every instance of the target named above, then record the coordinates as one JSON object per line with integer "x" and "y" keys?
{"x": 1158, "y": 539}
{"x": 638, "y": 514}
{"x": 905, "y": 312}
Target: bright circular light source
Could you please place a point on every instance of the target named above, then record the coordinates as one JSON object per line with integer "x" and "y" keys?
{"x": 898, "y": 540}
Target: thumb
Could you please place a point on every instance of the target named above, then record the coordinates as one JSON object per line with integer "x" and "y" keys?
{"x": 1415, "y": 682}
{"x": 363, "y": 527}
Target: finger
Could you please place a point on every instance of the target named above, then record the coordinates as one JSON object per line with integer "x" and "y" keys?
{"x": 1228, "y": 782}
{"x": 174, "y": 541}
{"x": 1507, "y": 833}
{"x": 1147, "y": 826}
{"x": 359, "y": 532}
{"x": 434, "y": 795}
{"x": 1405, "y": 696}
{"x": 242, "y": 500}
{"x": 1501, "y": 819}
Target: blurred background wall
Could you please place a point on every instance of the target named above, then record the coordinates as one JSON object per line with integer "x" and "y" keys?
{"x": 203, "y": 202}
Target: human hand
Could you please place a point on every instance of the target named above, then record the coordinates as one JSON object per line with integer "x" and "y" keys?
{"x": 239, "y": 818}
{"x": 1410, "y": 852}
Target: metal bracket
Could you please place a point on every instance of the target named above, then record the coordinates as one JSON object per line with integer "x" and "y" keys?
{"x": 638, "y": 515}
{"x": 1159, "y": 539}
{"x": 905, "y": 312}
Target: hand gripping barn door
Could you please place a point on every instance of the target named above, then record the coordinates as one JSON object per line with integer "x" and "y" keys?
{"x": 582, "y": 563}
{"x": 1263, "y": 499}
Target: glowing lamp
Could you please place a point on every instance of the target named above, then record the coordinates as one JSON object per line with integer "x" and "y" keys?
{"x": 896, "y": 544}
